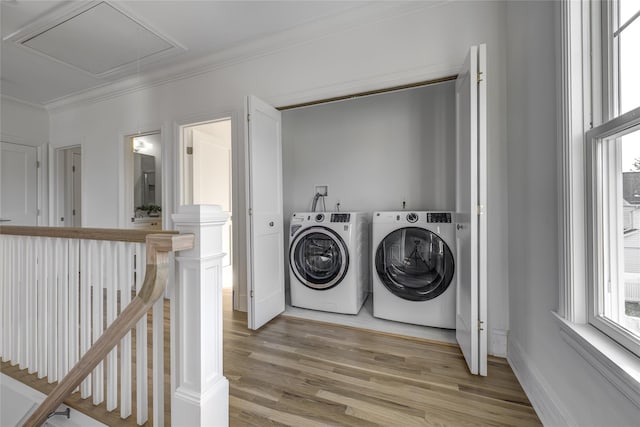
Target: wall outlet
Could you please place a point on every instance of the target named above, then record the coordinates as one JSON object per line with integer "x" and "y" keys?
{"x": 323, "y": 190}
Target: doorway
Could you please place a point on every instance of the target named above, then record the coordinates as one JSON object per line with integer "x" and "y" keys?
{"x": 143, "y": 181}
{"x": 69, "y": 186}
{"x": 207, "y": 176}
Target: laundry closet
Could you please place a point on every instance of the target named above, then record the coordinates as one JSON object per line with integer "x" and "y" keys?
{"x": 392, "y": 151}
{"x": 415, "y": 160}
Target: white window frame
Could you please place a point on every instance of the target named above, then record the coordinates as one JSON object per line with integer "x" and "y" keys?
{"x": 582, "y": 83}
{"x": 604, "y": 222}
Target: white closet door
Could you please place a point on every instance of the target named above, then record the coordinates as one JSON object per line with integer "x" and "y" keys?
{"x": 265, "y": 220}
{"x": 18, "y": 185}
{"x": 471, "y": 237}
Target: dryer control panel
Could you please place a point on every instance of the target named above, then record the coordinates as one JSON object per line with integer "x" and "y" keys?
{"x": 340, "y": 217}
{"x": 439, "y": 217}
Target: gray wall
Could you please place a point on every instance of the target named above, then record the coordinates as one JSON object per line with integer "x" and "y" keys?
{"x": 553, "y": 374}
{"x": 373, "y": 152}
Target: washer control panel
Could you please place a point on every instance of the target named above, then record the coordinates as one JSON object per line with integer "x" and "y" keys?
{"x": 439, "y": 217}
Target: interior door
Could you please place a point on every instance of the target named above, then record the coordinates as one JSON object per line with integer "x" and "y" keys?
{"x": 471, "y": 299}
{"x": 18, "y": 185}
{"x": 265, "y": 275}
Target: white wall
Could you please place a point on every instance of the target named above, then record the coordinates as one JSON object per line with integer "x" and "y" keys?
{"x": 564, "y": 388}
{"x": 414, "y": 44}
{"x": 23, "y": 123}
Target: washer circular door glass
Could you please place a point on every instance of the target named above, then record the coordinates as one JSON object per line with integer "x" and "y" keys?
{"x": 318, "y": 258}
{"x": 414, "y": 264}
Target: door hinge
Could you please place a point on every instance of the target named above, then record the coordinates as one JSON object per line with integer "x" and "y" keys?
{"x": 37, "y": 212}
{"x": 37, "y": 163}
{"x": 480, "y": 328}
{"x": 73, "y": 212}
{"x": 250, "y": 211}
{"x": 189, "y": 150}
{"x": 479, "y": 76}
{"x": 251, "y": 294}
{"x": 480, "y": 209}
{"x": 609, "y": 286}
{"x": 73, "y": 169}
{"x": 248, "y": 117}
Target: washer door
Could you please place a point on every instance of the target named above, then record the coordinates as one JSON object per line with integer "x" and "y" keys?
{"x": 414, "y": 264}
{"x": 319, "y": 258}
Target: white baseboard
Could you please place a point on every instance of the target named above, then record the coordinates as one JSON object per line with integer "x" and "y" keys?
{"x": 498, "y": 342}
{"x": 240, "y": 302}
{"x": 541, "y": 395}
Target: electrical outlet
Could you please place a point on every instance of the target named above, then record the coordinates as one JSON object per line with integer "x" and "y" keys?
{"x": 323, "y": 190}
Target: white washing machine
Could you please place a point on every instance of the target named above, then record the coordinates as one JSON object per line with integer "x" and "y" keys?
{"x": 413, "y": 267}
{"x": 329, "y": 260}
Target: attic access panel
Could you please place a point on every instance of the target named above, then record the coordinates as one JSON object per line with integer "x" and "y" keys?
{"x": 98, "y": 40}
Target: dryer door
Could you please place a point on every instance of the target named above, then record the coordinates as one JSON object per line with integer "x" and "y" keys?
{"x": 414, "y": 264}
{"x": 319, "y": 258}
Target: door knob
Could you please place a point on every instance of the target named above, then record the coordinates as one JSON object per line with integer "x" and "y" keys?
{"x": 271, "y": 224}
{"x": 459, "y": 226}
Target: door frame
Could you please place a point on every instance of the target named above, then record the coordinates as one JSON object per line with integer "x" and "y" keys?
{"x": 125, "y": 175}
{"x": 238, "y": 264}
{"x": 61, "y": 185}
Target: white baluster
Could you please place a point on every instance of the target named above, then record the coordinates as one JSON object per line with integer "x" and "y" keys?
{"x": 158, "y": 362}
{"x": 142, "y": 398}
{"x": 11, "y": 353}
{"x": 112, "y": 358}
{"x": 98, "y": 318}
{"x": 52, "y": 324}
{"x": 31, "y": 306}
{"x": 6, "y": 303}
{"x": 43, "y": 307}
{"x": 126, "y": 280}
{"x": 86, "y": 260}
{"x": 3, "y": 304}
{"x": 21, "y": 308}
{"x": 62, "y": 250}
{"x": 74, "y": 301}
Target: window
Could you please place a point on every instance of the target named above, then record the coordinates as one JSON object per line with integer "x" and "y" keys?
{"x": 613, "y": 182}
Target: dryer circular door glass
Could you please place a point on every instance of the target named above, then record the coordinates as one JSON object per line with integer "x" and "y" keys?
{"x": 414, "y": 264}
{"x": 318, "y": 258}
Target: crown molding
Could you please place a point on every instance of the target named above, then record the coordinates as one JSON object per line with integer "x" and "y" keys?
{"x": 367, "y": 14}
{"x": 23, "y": 102}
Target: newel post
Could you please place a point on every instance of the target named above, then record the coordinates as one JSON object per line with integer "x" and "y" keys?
{"x": 200, "y": 394}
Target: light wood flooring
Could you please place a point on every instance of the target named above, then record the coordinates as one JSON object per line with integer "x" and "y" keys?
{"x": 303, "y": 373}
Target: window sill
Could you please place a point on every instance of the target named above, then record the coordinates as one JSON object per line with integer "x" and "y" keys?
{"x": 616, "y": 364}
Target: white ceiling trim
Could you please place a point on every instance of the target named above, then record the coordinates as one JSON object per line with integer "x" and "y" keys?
{"x": 23, "y": 102}
{"x": 343, "y": 22}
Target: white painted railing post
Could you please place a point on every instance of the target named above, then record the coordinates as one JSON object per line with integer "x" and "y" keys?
{"x": 200, "y": 391}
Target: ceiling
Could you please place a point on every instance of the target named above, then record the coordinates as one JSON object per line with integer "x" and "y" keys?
{"x": 57, "y": 50}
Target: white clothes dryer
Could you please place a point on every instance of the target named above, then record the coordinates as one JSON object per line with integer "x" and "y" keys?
{"x": 413, "y": 268}
{"x": 329, "y": 260}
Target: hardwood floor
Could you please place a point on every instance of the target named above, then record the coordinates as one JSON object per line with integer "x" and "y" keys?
{"x": 301, "y": 373}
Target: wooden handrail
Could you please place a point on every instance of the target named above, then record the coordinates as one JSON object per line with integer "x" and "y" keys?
{"x": 155, "y": 281}
{"x": 112, "y": 234}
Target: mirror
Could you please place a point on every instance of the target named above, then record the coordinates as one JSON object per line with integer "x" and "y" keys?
{"x": 147, "y": 191}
